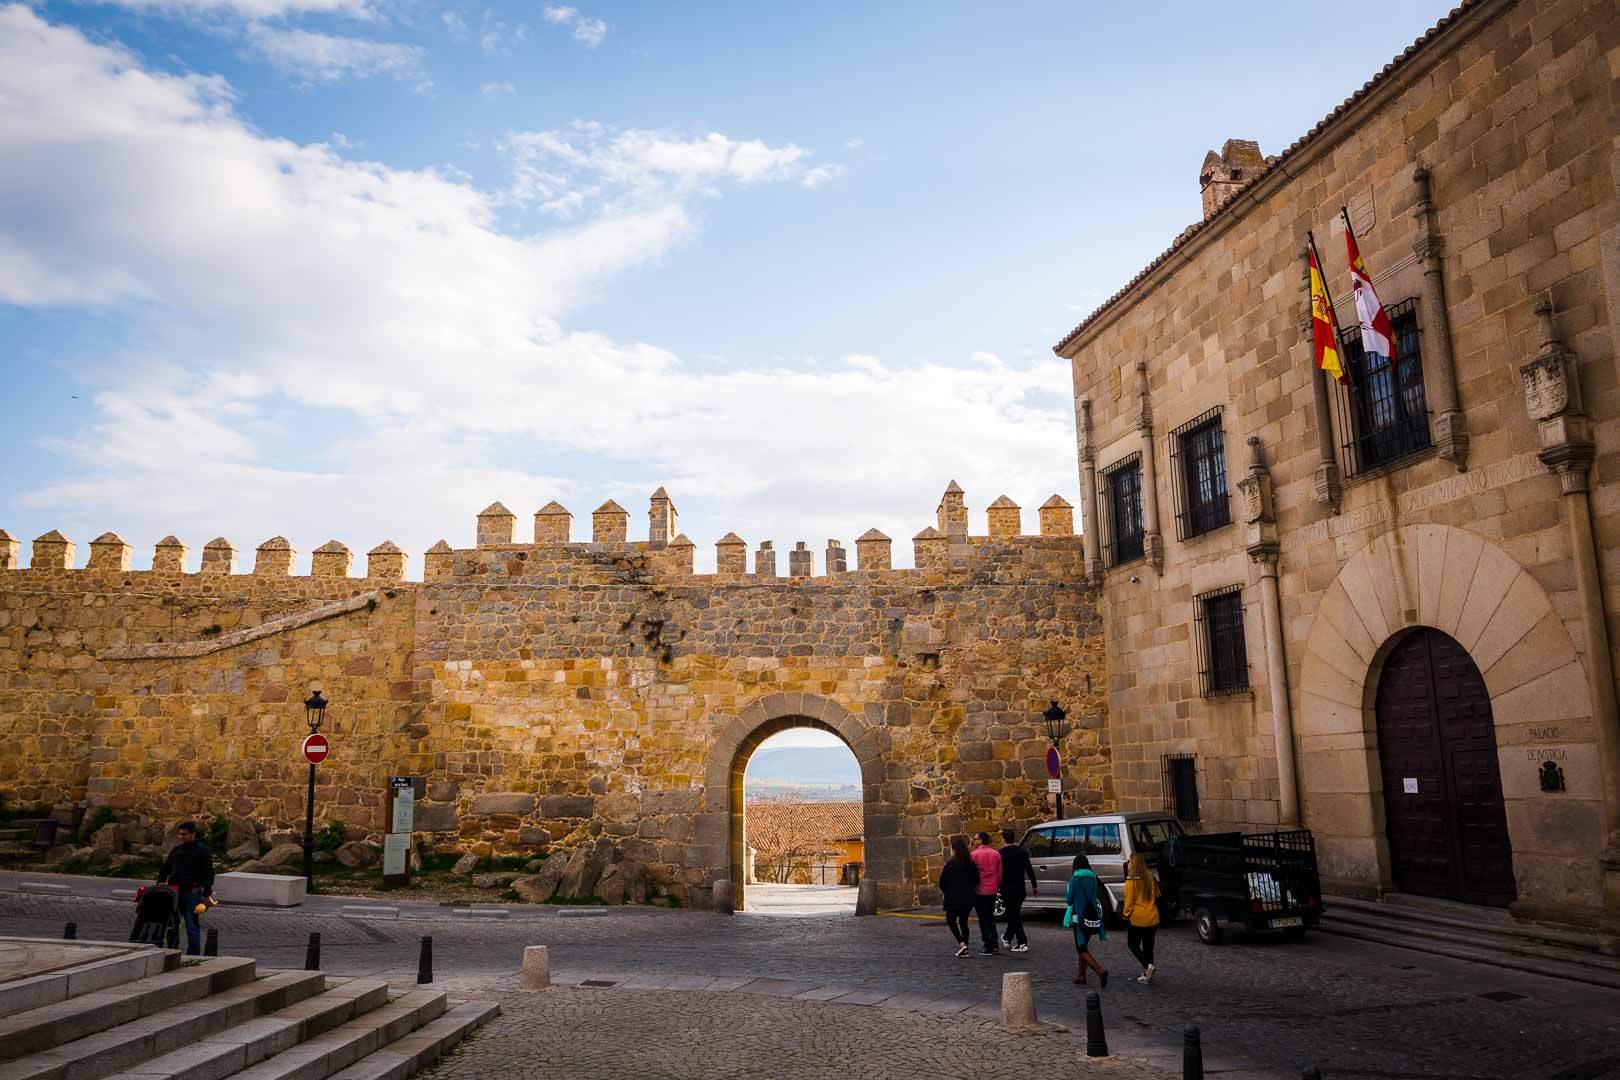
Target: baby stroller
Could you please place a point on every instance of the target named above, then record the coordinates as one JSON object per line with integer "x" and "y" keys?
{"x": 157, "y": 917}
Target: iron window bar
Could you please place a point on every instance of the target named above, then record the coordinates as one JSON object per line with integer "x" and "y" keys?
{"x": 1121, "y": 493}
{"x": 1179, "y": 782}
{"x": 1198, "y": 475}
{"x": 1383, "y": 413}
{"x": 1223, "y": 655}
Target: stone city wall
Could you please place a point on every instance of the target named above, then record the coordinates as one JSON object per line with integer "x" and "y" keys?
{"x": 556, "y": 693}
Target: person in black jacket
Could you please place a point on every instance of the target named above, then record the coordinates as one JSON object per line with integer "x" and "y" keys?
{"x": 1015, "y": 867}
{"x": 189, "y": 867}
{"x": 959, "y": 881}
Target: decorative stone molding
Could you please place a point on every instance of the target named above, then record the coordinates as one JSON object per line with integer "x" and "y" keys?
{"x": 1260, "y": 523}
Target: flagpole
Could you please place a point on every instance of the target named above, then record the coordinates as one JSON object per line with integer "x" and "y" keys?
{"x": 1327, "y": 294}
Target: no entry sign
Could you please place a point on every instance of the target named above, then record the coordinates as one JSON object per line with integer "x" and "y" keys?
{"x": 316, "y": 748}
{"x": 1053, "y": 766}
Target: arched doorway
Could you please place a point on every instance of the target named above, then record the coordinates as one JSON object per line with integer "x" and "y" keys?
{"x": 803, "y": 824}
{"x": 1444, "y": 814}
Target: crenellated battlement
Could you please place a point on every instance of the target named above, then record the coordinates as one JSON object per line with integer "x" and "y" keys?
{"x": 939, "y": 551}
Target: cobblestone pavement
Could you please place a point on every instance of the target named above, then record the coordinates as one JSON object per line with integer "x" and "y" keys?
{"x": 1352, "y": 1008}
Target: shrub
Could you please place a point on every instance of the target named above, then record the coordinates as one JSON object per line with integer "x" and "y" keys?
{"x": 217, "y": 832}
{"x": 332, "y": 837}
{"x": 102, "y": 816}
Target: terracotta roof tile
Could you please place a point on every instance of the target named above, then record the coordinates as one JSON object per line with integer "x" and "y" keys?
{"x": 779, "y": 828}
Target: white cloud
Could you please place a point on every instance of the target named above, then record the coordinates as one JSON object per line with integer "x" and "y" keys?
{"x": 854, "y": 142}
{"x": 269, "y": 281}
{"x": 821, "y": 174}
{"x": 590, "y": 31}
{"x": 497, "y": 37}
{"x": 496, "y": 89}
{"x": 317, "y": 57}
{"x": 249, "y": 9}
{"x": 455, "y": 24}
{"x": 569, "y": 169}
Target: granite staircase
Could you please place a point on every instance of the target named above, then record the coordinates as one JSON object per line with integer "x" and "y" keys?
{"x": 149, "y": 1014}
{"x": 1466, "y": 932}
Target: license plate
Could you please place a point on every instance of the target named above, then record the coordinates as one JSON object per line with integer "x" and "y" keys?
{"x": 1278, "y": 924}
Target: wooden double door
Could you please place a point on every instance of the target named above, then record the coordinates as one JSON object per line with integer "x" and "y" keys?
{"x": 1446, "y": 823}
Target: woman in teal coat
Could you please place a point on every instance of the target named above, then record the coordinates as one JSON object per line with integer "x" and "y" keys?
{"x": 1085, "y": 915}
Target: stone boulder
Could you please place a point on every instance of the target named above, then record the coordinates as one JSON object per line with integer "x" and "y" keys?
{"x": 240, "y": 831}
{"x": 625, "y": 882}
{"x": 357, "y": 853}
{"x": 58, "y": 854}
{"x": 586, "y": 865}
{"x": 117, "y": 864}
{"x": 249, "y": 850}
{"x": 90, "y": 858}
{"x": 282, "y": 855}
{"x": 277, "y": 839}
{"x": 109, "y": 838}
{"x": 542, "y": 886}
{"x": 153, "y": 851}
{"x": 465, "y": 865}
{"x": 495, "y": 881}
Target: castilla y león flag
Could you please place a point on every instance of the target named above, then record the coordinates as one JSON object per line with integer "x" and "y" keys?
{"x": 1324, "y": 324}
{"x": 1377, "y": 335}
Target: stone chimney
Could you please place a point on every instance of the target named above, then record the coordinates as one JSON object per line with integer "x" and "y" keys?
{"x": 661, "y": 518}
{"x": 1223, "y": 175}
{"x": 837, "y": 557}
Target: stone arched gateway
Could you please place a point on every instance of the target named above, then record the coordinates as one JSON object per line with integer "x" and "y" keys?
{"x": 1475, "y": 593}
{"x": 728, "y": 760}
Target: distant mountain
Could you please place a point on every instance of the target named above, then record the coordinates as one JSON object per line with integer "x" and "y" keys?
{"x": 803, "y": 765}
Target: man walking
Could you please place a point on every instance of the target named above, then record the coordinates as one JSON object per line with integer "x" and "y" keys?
{"x": 988, "y": 861}
{"x": 1015, "y": 867}
{"x": 189, "y": 867}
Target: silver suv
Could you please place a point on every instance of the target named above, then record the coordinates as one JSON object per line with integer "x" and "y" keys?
{"x": 1107, "y": 841}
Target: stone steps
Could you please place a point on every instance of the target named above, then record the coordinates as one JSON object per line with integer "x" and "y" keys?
{"x": 48, "y": 1026}
{"x": 1538, "y": 950}
{"x": 218, "y": 1018}
{"x": 70, "y": 981}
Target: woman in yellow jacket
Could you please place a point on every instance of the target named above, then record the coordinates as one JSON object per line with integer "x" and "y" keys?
{"x": 1141, "y": 910}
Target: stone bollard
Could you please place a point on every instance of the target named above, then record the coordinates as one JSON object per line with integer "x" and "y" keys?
{"x": 866, "y": 897}
{"x": 211, "y": 942}
{"x": 1018, "y": 1001}
{"x": 536, "y": 968}
{"x": 312, "y": 952}
{"x": 1096, "y": 1042}
{"x": 722, "y": 897}
{"x": 424, "y": 961}
{"x": 70, "y": 932}
{"x": 1192, "y": 1055}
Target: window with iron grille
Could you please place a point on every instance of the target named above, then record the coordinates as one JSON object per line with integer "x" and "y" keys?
{"x": 1180, "y": 781}
{"x": 1121, "y": 497}
{"x": 1383, "y": 414}
{"x": 1198, "y": 469}
{"x": 1223, "y": 659}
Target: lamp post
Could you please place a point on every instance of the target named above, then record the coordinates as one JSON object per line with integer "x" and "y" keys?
{"x": 1056, "y": 728}
{"x": 314, "y": 713}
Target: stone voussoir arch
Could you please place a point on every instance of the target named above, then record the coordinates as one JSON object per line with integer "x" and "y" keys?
{"x": 736, "y": 741}
{"x": 1434, "y": 576}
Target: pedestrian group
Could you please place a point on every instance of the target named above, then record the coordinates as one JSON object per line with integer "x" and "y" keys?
{"x": 974, "y": 876}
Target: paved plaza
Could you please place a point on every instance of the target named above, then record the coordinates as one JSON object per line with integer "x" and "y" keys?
{"x": 682, "y": 993}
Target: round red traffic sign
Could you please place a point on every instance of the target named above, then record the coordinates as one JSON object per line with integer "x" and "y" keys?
{"x": 1053, "y": 768}
{"x": 316, "y": 748}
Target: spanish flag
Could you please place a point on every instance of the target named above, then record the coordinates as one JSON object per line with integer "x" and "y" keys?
{"x": 1377, "y": 334}
{"x": 1324, "y": 323}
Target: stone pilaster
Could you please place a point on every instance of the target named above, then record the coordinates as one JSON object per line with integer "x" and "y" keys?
{"x": 109, "y": 552}
{"x": 1260, "y": 532}
{"x": 495, "y": 525}
{"x": 1088, "y": 496}
{"x": 1450, "y": 426}
{"x": 274, "y": 558}
{"x": 873, "y": 551}
{"x": 1152, "y": 539}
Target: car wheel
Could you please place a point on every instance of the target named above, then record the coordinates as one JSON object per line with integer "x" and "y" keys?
{"x": 1209, "y": 931}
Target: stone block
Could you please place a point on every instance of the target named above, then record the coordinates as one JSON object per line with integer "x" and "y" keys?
{"x": 435, "y": 817}
{"x": 566, "y": 806}
{"x": 264, "y": 890}
{"x": 536, "y": 973}
{"x": 503, "y": 803}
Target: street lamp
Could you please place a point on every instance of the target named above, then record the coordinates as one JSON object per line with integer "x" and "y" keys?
{"x": 1056, "y": 728}
{"x": 314, "y": 714}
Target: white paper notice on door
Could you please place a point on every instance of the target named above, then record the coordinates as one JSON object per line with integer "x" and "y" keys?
{"x": 1410, "y": 783}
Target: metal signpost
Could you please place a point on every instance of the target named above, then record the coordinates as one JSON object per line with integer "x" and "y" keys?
{"x": 1055, "y": 730}
{"x": 315, "y": 748}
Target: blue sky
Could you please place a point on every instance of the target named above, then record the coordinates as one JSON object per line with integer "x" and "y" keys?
{"x": 356, "y": 268}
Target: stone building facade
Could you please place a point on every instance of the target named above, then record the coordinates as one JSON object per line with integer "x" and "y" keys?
{"x": 553, "y": 692}
{"x": 1386, "y": 611}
